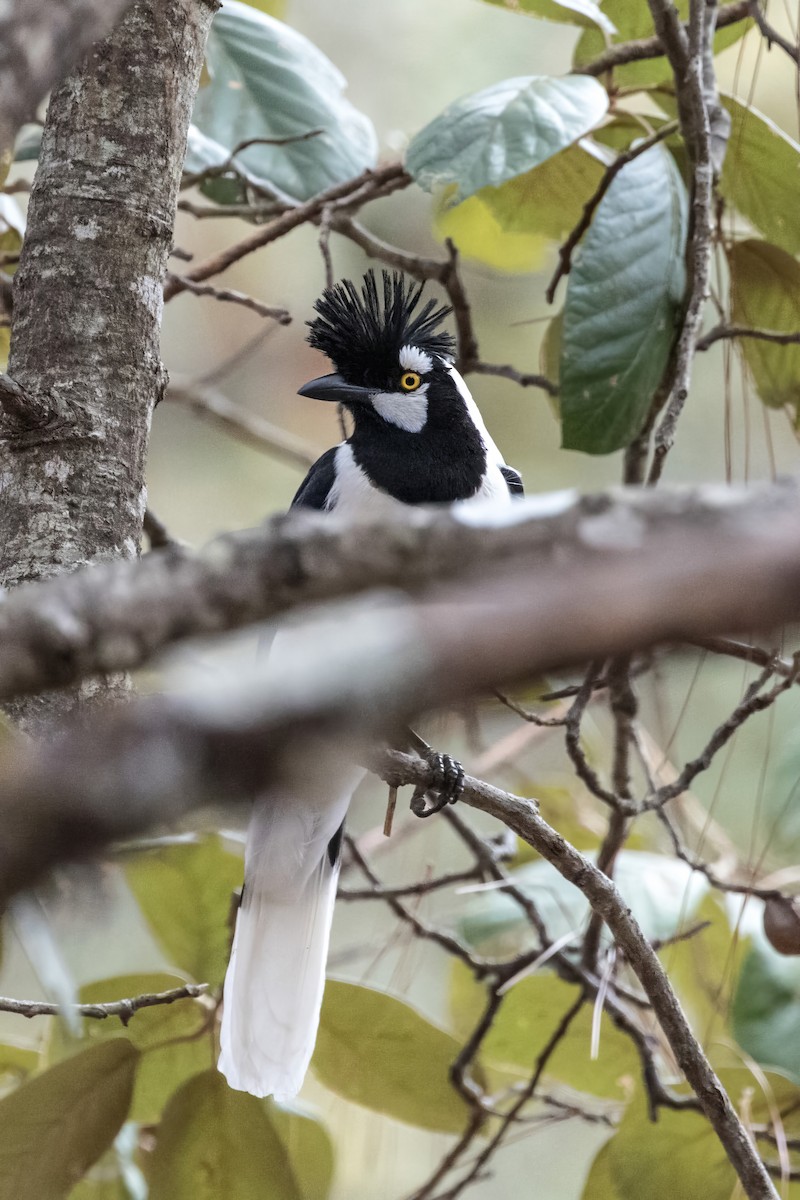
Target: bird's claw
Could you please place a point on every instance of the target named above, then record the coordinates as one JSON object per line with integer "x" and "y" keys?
{"x": 444, "y": 788}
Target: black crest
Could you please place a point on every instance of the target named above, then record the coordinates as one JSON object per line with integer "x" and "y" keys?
{"x": 362, "y": 335}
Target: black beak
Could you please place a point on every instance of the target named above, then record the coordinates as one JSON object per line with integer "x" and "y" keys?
{"x": 333, "y": 387}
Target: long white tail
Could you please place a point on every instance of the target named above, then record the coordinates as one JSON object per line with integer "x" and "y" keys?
{"x": 276, "y": 976}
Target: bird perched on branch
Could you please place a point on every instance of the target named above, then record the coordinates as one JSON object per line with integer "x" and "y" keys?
{"x": 418, "y": 438}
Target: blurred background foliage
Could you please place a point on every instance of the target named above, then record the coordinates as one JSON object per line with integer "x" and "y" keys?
{"x": 378, "y": 1114}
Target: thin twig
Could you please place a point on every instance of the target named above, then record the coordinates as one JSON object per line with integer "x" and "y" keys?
{"x": 124, "y": 1009}
{"x": 770, "y": 34}
{"x": 281, "y": 315}
{"x": 742, "y": 331}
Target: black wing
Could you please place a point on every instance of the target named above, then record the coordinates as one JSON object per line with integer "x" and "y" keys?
{"x": 514, "y": 480}
{"x": 316, "y": 487}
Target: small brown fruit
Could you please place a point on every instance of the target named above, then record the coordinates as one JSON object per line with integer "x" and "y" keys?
{"x": 782, "y": 924}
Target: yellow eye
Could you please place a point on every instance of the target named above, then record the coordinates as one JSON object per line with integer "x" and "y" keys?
{"x": 410, "y": 381}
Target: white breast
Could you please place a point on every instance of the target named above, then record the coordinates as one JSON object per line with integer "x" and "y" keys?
{"x": 353, "y": 495}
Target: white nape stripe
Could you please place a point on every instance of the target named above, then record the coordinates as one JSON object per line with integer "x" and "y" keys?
{"x": 414, "y": 359}
{"x": 406, "y": 410}
{"x": 492, "y": 453}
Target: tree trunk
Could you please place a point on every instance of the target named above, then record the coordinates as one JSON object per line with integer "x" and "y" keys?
{"x": 88, "y": 300}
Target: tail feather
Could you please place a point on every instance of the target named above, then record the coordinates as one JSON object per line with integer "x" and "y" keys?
{"x": 276, "y": 976}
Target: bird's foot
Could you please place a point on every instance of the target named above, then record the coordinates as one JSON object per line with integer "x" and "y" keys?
{"x": 444, "y": 788}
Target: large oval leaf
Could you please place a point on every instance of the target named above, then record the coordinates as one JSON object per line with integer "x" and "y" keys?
{"x": 174, "y": 1038}
{"x": 268, "y": 81}
{"x": 184, "y": 891}
{"x": 474, "y": 230}
{"x": 623, "y": 296}
{"x": 377, "y": 1051}
{"x": 500, "y": 132}
{"x": 765, "y": 294}
{"x": 761, "y": 175}
{"x": 214, "y": 1142}
{"x": 55, "y": 1126}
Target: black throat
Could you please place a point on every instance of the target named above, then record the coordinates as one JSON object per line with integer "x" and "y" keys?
{"x": 444, "y": 462}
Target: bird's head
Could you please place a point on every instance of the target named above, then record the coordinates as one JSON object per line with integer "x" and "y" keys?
{"x": 392, "y": 361}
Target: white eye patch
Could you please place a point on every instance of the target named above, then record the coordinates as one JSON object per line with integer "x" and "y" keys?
{"x": 414, "y": 359}
{"x": 406, "y": 410}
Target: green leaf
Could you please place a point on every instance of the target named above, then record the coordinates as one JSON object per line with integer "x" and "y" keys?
{"x": 214, "y": 1142}
{"x": 473, "y": 228}
{"x": 185, "y": 893}
{"x": 600, "y": 1184}
{"x": 493, "y": 135}
{"x": 308, "y": 1144}
{"x": 623, "y": 297}
{"x": 761, "y": 175}
{"x": 377, "y": 1051}
{"x": 548, "y": 200}
{"x": 566, "y": 12}
{"x": 766, "y": 1009}
{"x": 268, "y": 81}
{"x": 173, "y": 1038}
{"x": 633, "y": 21}
{"x": 680, "y": 1155}
{"x": 529, "y": 1015}
{"x": 59, "y": 1123}
{"x": 765, "y": 294}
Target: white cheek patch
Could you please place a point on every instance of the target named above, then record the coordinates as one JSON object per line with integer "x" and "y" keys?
{"x": 414, "y": 359}
{"x": 406, "y": 410}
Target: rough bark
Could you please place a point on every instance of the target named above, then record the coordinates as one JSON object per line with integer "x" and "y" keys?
{"x": 40, "y": 40}
{"x": 592, "y": 576}
{"x": 88, "y": 297}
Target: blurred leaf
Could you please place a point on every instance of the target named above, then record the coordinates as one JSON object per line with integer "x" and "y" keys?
{"x": 703, "y": 969}
{"x": 490, "y": 136}
{"x": 214, "y": 1142}
{"x": 761, "y": 175}
{"x": 765, "y": 294}
{"x": 185, "y": 893}
{"x": 103, "y": 1181}
{"x": 268, "y": 81}
{"x": 680, "y": 1155}
{"x": 530, "y": 1014}
{"x": 274, "y": 8}
{"x": 662, "y": 892}
{"x": 477, "y": 235}
{"x": 614, "y": 353}
{"x": 169, "y": 1035}
{"x": 633, "y": 21}
{"x": 377, "y": 1051}
{"x": 765, "y": 1017}
{"x": 599, "y": 1184}
{"x": 59, "y": 1123}
{"x": 308, "y": 1144}
{"x": 29, "y": 139}
{"x": 549, "y": 199}
{"x": 566, "y": 12}
{"x": 17, "y": 1060}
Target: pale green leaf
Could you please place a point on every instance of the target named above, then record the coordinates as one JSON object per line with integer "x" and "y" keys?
{"x": 761, "y": 175}
{"x": 377, "y": 1051}
{"x": 475, "y": 231}
{"x": 567, "y": 12}
{"x": 185, "y": 893}
{"x": 600, "y": 1183}
{"x": 268, "y": 81}
{"x": 59, "y": 1123}
{"x": 309, "y": 1147}
{"x": 502, "y": 131}
{"x": 765, "y": 294}
{"x": 174, "y": 1038}
{"x": 531, "y": 1012}
{"x": 623, "y": 297}
{"x": 215, "y": 1143}
{"x": 548, "y": 200}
